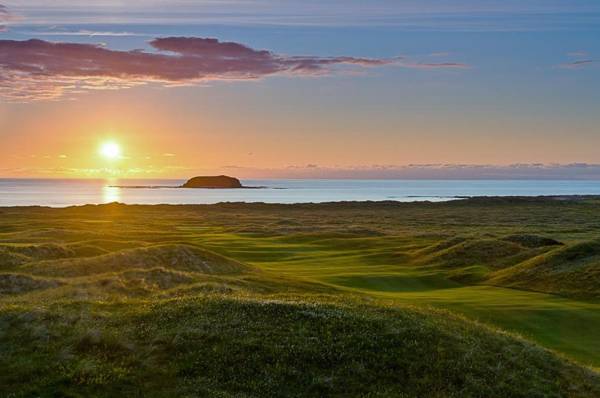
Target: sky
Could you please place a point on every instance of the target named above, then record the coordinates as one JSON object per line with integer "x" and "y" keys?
{"x": 300, "y": 89}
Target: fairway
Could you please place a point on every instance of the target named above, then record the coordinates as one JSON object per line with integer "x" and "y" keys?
{"x": 372, "y": 266}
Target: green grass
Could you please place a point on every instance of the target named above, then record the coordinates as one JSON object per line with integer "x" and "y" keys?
{"x": 546, "y": 319}
{"x": 221, "y": 346}
{"x": 485, "y": 297}
{"x": 572, "y": 270}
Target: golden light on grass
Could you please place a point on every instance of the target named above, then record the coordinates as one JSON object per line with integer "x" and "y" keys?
{"x": 110, "y": 150}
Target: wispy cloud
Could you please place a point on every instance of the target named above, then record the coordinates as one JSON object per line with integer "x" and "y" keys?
{"x": 436, "y": 15}
{"x": 583, "y": 171}
{"x": 433, "y": 65}
{"x": 439, "y": 54}
{"x": 577, "y": 54}
{"x": 84, "y": 33}
{"x": 578, "y": 64}
{"x": 36, "y": 69}
{"x": 5, "y": 17}
{"x": 441, "y": 171}
{"x": 74, "y": 172}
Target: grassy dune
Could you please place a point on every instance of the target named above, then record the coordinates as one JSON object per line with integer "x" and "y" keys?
{"x": 484, "y": 297}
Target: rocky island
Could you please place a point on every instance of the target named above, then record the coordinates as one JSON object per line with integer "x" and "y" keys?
{"x": 221, "y": 181}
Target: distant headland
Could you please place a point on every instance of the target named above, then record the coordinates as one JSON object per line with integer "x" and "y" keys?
{"x": 221, "y": 181}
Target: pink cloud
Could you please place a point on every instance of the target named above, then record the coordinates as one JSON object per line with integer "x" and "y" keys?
{"x": 36, "y": 69}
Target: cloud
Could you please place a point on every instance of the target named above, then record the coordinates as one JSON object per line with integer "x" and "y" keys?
{"x": 578, "y": 64}
{"x": 521, "y": 171}
{"x": 85, "y": 33}
{"x": 37, "y": 69}
{"x": 5, "y": 17}
{"x": 408, "y": 15}
{"x": 577, "y": 54}
{"x": 440, "y": 65}
{"x": 442, "y": 171}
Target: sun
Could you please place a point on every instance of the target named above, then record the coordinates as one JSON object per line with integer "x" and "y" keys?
{"x": 110, "y": 150}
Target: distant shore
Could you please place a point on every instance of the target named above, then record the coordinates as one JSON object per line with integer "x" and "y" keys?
{"x": 365, "y": 204}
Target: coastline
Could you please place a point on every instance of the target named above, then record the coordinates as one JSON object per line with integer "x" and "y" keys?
{"x": 466, "y": 200}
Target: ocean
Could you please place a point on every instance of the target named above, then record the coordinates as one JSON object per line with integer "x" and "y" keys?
{"x": 63, "y": 192}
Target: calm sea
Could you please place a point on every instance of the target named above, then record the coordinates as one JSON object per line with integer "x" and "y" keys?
{"x": 58, "y": 193}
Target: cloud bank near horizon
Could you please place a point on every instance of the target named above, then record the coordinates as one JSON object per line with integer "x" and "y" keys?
{"x": 520, "y": 171}
{"x": 36, "y": 69}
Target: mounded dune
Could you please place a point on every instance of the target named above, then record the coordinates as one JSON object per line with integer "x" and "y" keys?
{"x": 532, "y": 241}
{"x": 472, "y": 261}
{"x": 226, "y": 347}
{"x": 134, "y": 283}
{"x": 65, "y": 234}
{"x": 9, "y": 259}
{"x": 169, "y": 256}
{"x": 42, "y": 251}
{"x": 18, "y": 284}
{"x": 443, "y": 245}
{"x": 83, "y": 250}
{"x": 110, "y": 245}
{"x": 489, "y": 252}
{"x": 570, "y": 270}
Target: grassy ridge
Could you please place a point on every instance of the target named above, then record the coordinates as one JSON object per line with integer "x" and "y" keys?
{"x": 571, "y": 271}
{"x": 291, "y": 300}
{"x": 225, "y": 346}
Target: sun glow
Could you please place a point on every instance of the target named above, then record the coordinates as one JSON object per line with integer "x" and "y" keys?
{"x": 110, "y": 150}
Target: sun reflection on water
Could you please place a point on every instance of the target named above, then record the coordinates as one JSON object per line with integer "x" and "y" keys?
{"x": 111, "y": 194}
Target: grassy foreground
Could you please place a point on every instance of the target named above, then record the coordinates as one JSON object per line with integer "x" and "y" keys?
{"x": 350, "y": 299}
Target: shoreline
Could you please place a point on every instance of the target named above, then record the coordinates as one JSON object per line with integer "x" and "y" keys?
{"x": 466, "y": 200}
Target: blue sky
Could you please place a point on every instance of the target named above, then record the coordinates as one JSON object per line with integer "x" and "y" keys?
{"x": 529, "y": 92}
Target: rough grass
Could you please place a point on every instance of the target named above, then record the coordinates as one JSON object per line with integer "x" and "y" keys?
{"x": 223, "y": 346}
{"x": 572, "y": 271}
{"x": 237, "y": 300}
{"x": 491, "y": 252}
{"x": 532, "y": 241}
{"x": 19, "y": 284}
{"x": 177, "y": 257}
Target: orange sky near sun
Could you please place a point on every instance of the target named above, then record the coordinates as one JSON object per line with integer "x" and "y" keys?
{"x": 160, "y": 137}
